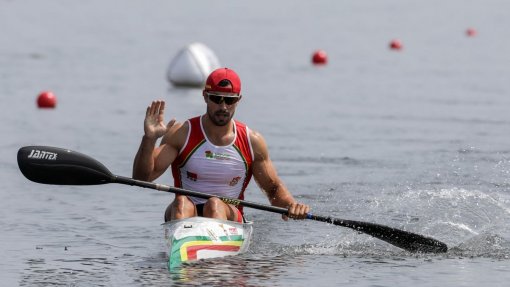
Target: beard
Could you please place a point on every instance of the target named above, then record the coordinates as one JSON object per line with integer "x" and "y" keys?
{"x": 220, "y": 118}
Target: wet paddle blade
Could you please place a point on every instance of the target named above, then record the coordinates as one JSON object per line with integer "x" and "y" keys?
{"x": 406, "y": 240}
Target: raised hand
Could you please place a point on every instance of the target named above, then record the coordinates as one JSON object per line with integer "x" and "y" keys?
{"x": 154, "y": 125}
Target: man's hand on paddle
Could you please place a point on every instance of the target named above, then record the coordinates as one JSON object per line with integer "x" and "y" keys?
{"x": 154, "y": 126}
{"x": 297, "y": 211}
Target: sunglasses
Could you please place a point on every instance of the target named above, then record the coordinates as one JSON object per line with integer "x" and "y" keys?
{"x": 217, "y": 99}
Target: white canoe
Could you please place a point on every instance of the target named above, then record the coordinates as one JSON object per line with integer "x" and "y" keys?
{"x": 198, "y": 238}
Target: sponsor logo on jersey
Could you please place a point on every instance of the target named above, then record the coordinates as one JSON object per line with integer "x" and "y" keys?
{"x": 211, "y": 155}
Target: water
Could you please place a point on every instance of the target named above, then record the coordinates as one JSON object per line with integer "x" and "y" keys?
{"x": 416, "y": 139}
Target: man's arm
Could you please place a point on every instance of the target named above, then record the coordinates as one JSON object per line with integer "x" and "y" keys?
{"x": 151, "y": 162}
{"x": 267, "y": 178}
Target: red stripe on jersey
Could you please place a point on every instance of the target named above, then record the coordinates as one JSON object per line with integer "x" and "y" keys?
{"x": 242, "y": 144}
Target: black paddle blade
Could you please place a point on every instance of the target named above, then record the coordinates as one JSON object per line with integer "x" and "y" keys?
{"x": 51, "y": 165}
{"x": 406, "y": 240}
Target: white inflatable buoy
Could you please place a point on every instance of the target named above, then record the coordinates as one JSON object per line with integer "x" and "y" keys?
{"x": 192, "y": 65}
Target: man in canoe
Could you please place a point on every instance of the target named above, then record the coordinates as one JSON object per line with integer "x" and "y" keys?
{"x": 211, "y": 153}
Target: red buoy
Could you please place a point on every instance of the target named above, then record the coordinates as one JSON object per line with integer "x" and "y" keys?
{"x": 395, "y": 44}
{"x": 471, "y": 32}
{"x": 319, "y": 57}
{"x": 46, "y": 100}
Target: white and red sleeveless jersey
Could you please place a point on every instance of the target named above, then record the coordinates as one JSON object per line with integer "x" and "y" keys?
{"x": 218, "y": 170}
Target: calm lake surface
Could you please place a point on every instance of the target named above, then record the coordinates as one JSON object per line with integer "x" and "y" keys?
{"x": 416, "y": 139}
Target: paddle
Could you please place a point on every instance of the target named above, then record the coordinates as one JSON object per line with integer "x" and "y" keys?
{"x": 51, "y": 165}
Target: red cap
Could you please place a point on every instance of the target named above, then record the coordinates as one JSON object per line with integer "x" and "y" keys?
{"x": 218, "y": 75}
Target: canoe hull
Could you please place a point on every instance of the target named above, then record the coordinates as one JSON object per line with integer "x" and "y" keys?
{"x": 198, "y": 238}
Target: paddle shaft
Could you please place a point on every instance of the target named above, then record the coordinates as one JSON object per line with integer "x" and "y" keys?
{"x": 236, "y": 202}
{"x": 167, "y": 188}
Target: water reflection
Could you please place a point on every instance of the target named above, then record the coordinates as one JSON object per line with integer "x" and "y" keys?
{"x": 232, "y": 271}
{"x": 243, "y": 270}
{"x": 285, "y": 264}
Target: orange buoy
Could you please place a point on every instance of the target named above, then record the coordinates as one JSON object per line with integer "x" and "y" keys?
{"x": 396, "y": 44}
{"x": 319, "y": 57}
{"x": 471, "y": 32}
{"x": 46, "y": 99}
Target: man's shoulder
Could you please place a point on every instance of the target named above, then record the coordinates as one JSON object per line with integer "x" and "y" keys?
{"x": 177, "y": 134}
{"x": 179, "y": 127}
{"x": 256, "y": 139}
